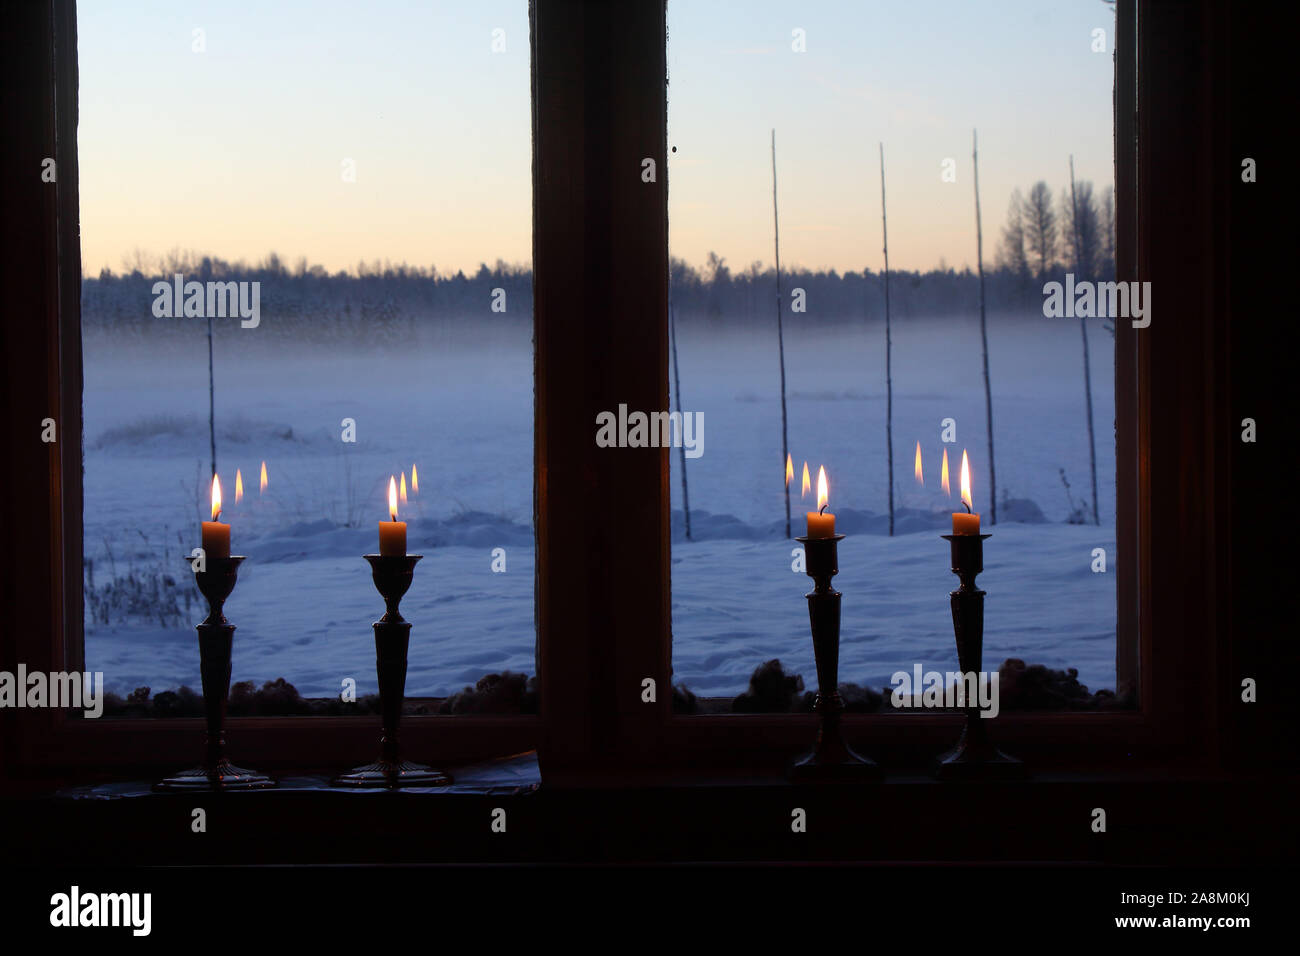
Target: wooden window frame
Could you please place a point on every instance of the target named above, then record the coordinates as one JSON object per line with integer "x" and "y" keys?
{"x": 43, "y": 500}
{"x": 1174, "y": 630}
{"x": 599, "y": 107}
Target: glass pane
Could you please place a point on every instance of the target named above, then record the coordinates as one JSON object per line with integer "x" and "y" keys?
{"x": 349, "y": 170}
{"x": 827, "y": 88}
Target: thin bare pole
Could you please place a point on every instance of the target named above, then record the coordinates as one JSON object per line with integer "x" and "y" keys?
{"x": 984, "y": 335}
{"x": 889, "y": 348}
{"x": 1087, "y": 362}
{"x": 780, "y": 335}
{"x": 677, "y": 393}
{"x": 212, "y": 402}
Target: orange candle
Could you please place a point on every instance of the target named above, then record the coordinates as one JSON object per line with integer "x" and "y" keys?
{"x": 392, "y": 534}
{"x": 966, "y": 523}
{"x": 821, "y": 523}
{"x": 216, "y": 535}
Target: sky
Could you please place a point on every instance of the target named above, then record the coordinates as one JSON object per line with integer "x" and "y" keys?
{"x": 235, "y": 141}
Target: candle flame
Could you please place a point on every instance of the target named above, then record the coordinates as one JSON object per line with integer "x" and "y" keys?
{"x": 943, "y": 475}
{"x": 965, "y": 481}
{"x": 239, "y": 486}
{"x": 807, "y": 482}
{"x": 402, "y": 491}
{"x": 920, "y": 475}
{"x": 216, "y": 497}
{"x": 415, "y": 481}
{"x": 823, "y": 488}
{"x": 263, "y": 485}
{"x": 789, "y": 470}
{"x": 392, "y": 498}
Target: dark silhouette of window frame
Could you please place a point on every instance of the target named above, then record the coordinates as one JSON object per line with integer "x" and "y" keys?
{"x": 599, "y": 91}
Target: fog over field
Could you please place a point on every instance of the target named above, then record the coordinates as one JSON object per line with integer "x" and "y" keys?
{"x": 455, "y": 400}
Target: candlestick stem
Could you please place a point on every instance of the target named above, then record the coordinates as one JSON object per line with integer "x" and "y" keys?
{"x": 974, "y": 756}
{"x": 832, "y": 760}
{"x": 216, "y": 640}
{"x": 392, "y": 575}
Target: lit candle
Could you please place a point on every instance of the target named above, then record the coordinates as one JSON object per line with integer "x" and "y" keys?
{"x": 920, "y": 475}
{"x": 415, "y": 481}
{"x": 821, "y": 524}
{"x": 239, "y": 486}
{"x": 806, "y": 483}
{"x": 262, "y": 487}
{"x": 216, "y": 535}
{"x": 943, "y": 475}
{"x": 392, "y": 534}
{"x": 965, "y": 523}
{"x": 402, "y": 491}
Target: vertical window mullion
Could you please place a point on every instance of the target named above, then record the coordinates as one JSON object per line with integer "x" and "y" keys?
{"x": 600, "y": 254}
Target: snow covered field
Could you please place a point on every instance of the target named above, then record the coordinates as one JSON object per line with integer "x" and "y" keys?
{"x": 460, "y": 408}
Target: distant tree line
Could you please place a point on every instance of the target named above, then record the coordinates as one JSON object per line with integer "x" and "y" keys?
{"x": 1037, "y": 246}
{"x": 374, "y": 300}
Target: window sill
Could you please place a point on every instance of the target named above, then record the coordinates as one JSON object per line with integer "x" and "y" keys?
{"x": 1152, "y": 818}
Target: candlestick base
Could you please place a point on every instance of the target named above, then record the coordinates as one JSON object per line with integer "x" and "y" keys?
{"x": 856, "y": 769}
{"x": 832, "y": 760}
{"x": 224, "y": 776}
{"x": 975, "y": 758}
{"x": 393, "y": 775}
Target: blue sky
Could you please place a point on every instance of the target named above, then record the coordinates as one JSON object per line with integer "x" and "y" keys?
{"x": 239, "y": 149}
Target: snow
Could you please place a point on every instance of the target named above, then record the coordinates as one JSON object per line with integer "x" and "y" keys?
{"x": 460, "y": 408}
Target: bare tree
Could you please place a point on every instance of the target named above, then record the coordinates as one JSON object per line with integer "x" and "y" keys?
{"x": 1040, "y": 227}
{"x": 1011, "y": 254}
{"x": 1106, "y": 231}
{"x": 176, "y": 261}
{"x": 1081, "y": 223}
{"x": 716, "y": 269}
{"x": 139, "y": 261}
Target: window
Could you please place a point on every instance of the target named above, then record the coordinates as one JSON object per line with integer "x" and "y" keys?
{"x": 603, "y": 543}
{"x": 819, "y": 98}
{"x": 286, "y": 162}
